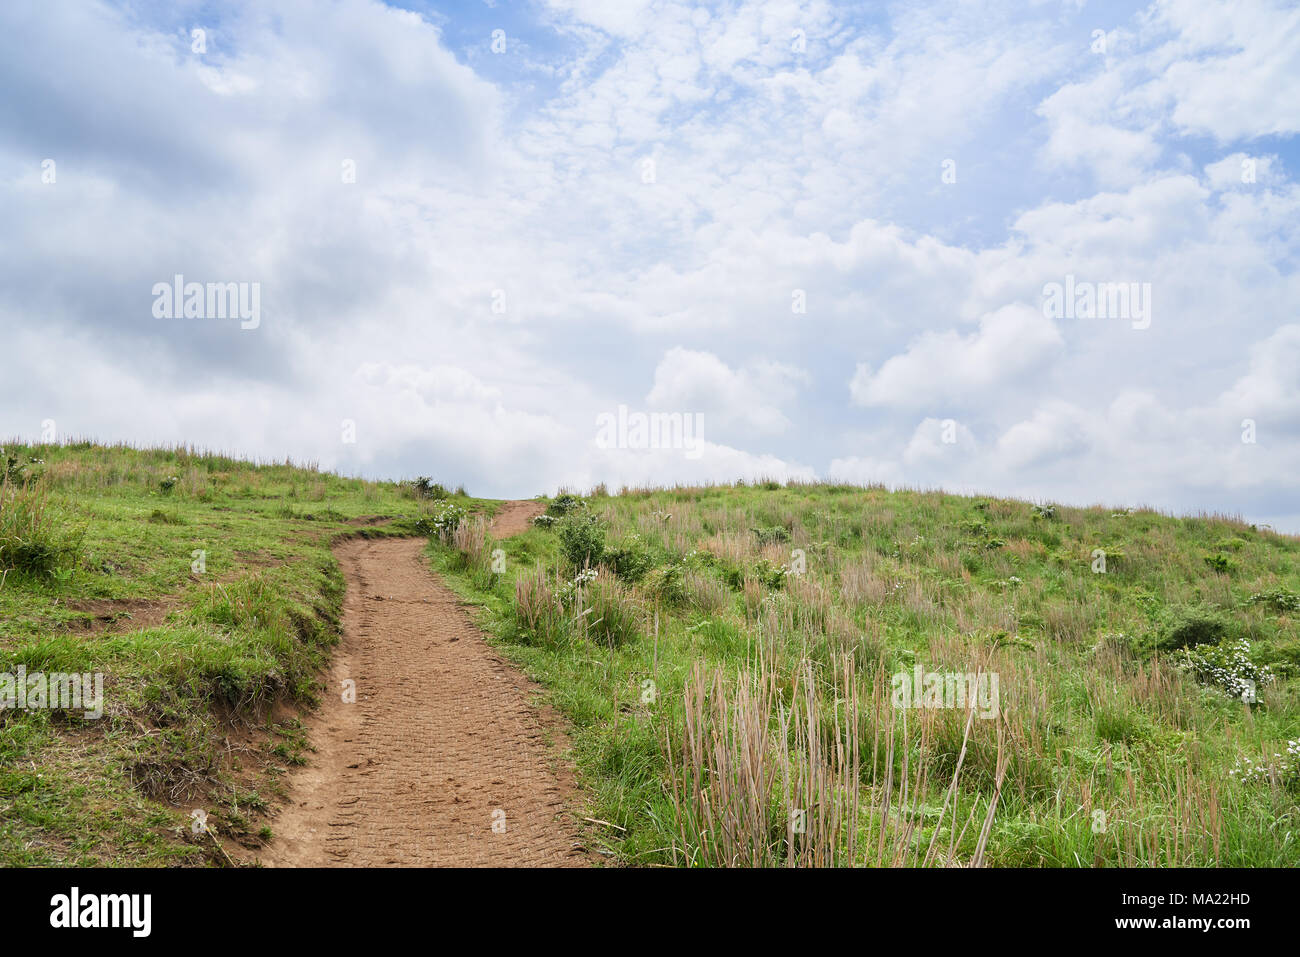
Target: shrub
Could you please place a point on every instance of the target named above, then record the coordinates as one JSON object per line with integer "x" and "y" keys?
{"x": 1220, "y": 563}
{"x": 582, "y": 538}
{"x": 630, "y": 559}
{"x": 772, "y": 535}
{"x": 1188, "y": 627}
{"x": 442, "y": 518}
{"x": 667, "y": 584}
{"x": 564, "y": 504}
{"x": 1228, "y": 667}
{"x": 1277, "y": 599}
{"x": 773, "y": 576}
{"x": 18, "y": 474}
{"x": 1044, "y": 511}
{"x": 1284, "y": 769}
{"x": 425, "y": 487}
{"x": 544, "y": 521}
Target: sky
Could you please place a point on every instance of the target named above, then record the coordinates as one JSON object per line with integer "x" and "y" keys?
{"x": 827, "y": 234}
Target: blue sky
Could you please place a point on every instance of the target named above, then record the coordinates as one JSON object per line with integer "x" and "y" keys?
{"x": 797, "y": 147}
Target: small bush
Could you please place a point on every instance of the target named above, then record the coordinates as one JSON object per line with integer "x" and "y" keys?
{"x": 582, "y": 538}
{"x": 667, "y": 584}
{"x": 441, "y": 519}
{"x": 772, "y": 535}
{"x": 1283, "y": 769}
{"x": 1228, "y": 667}
{"x": 773, "y": 576}
{"x": 1188, "y": 627}
{"x": 1220, "y": 563}
{"x": 1276, "y": 599}
{"x": 19, "y": 475}
{"x": 425, "y": 487}
{"x": 630, "y": 559}
{"x": 564, "y": 504}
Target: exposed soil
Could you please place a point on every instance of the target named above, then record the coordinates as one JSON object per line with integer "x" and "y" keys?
{"x": 515, "y": 517}
{"x": 443, "y": 759}
{"x": 121, "y": 614}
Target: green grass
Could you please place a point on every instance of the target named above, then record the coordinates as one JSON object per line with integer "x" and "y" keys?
{"x": 1121, "y": 720}
{"x": 204, "y": 589}
{"x": 1114, "y": 753}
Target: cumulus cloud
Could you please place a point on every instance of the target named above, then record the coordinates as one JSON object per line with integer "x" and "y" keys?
{"x": 728, "y": 210}
{"x": 948, "y": 366}
{"x": 750, "y": 397}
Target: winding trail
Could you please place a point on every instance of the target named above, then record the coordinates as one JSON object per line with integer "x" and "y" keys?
{"x": 442, "y": 760}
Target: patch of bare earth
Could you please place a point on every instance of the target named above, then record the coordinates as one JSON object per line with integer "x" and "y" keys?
{"x": 442, "y": 760}
{"x": 512, "y": 518}
{"x": 111, "y": 615}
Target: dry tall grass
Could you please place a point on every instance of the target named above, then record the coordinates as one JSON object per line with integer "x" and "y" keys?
{"x": 470, "y": 538}
{"x": 768, "y": 772}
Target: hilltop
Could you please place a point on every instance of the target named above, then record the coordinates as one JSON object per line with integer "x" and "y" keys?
{"x": 724, "y": 657}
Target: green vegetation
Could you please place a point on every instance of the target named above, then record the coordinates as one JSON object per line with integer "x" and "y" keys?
{"x": 204, "y": 590}
{"x": 726, "y": 656}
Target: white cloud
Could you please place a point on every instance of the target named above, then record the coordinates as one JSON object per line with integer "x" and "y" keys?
{"x": 865, "y": 470}
{"x": 939, "y": 442}
{"x": 777, "y": 170}
{"x": 687, "y": 381}
{"x": 947, "y": 366}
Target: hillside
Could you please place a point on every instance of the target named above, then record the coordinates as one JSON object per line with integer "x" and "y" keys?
{"x": 786, "y": 615}
{"x": 727, "y": 660}
{"x": 204, "y": 589}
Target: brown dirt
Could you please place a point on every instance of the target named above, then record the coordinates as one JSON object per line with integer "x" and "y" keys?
{"x": 121, "y": 614}
{"x": 515, "y": 517}
{"x": 441, "y": 744}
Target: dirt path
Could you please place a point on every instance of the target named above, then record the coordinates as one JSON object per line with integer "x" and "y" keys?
{"x": 515, "y": 517}
{"x": 442, "y": 760}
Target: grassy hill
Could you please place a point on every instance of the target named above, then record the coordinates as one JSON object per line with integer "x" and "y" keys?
{"x": 727, "y": 657}
{"x": 203, "y": 588}
{"x": 730, "y": 673}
